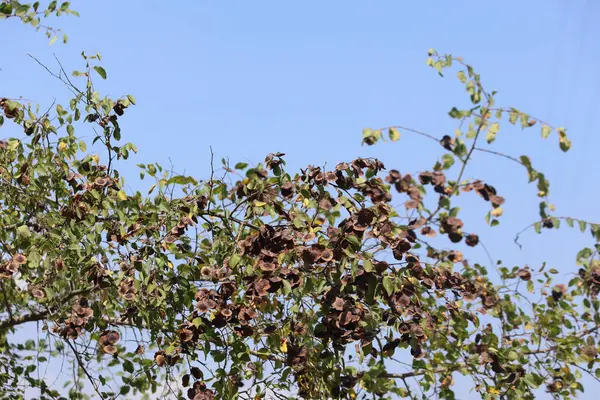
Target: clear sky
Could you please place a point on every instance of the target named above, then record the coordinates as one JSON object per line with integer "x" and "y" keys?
{"x": 304, "y": 78}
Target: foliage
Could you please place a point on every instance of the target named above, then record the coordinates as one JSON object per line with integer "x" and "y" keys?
{"x": 310, "y": 283}
{"x": 31, "y": 14}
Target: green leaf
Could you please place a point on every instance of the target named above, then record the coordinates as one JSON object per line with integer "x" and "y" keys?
{"x": 546, "y": 131}
{"x": 564, "y": 141}
{"x": 197, "y": 322}
{"x": 287, "y": 287}
{"x": 582, "y": 226}
{"x": 530, "y": 286}
{"x": 6, "y": 9}
{"x": 354, "y": 240}
{"x": 526, "y": 161}
{"x": 454, "y": 113}
{"x": 22, "y": 9}
{"x": 128, "y": 366}
{"x": 492, "y": 132}
{"x": 444, "y": 202}
{"x": 276, "y": 170}
{"x": 234, "y": 260}
{"x": 182, "y": 180}
{"x": 151, "y": 169}
{"x": 23, "y": 232}
{"x": 218, "y": 356}
{"x": 394, "y": 134}
{"x": 584, "y": 253}
{"x": 447, "y": 160}
{"x": 388, "y": 285}
{"x": 100, "y": 72}
{"x": 530, "y": 380}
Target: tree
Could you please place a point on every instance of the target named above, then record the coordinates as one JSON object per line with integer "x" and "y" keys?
{"x": 259, "y": 283}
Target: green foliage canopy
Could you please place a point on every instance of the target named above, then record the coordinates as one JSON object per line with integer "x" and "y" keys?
{"x": 262, "y": 282}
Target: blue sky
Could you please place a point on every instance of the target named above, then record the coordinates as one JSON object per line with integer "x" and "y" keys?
{"x": 304, "y": 78}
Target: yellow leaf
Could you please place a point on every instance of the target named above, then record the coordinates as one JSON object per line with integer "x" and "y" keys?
{"x": 170, "y": 264}
{"x": 259, "y": 203}
{"x": 283, "y": 346}
{"x": 122, "y": 195}
{"x": 62, "y": 146}
{"x": 95, "y": 158}
{"x": 394, "y": 134}
{"x": 496, "y": 212}
{"x": 493, "y": 390}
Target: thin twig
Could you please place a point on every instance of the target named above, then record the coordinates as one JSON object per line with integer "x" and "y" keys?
{"x": 403, "y": 128}
{"x": 464, "y": 165}
{"x": 518, "y": 235}
{"x": 82, "y": 366}
{"x": 497, "y": 153}
{"x": 211, "y": 183}
{"x": 72, "y": 88}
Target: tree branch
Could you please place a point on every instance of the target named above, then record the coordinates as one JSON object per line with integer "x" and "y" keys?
{"x": 40, "y": 315}
{"x": 412, "y": 374}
